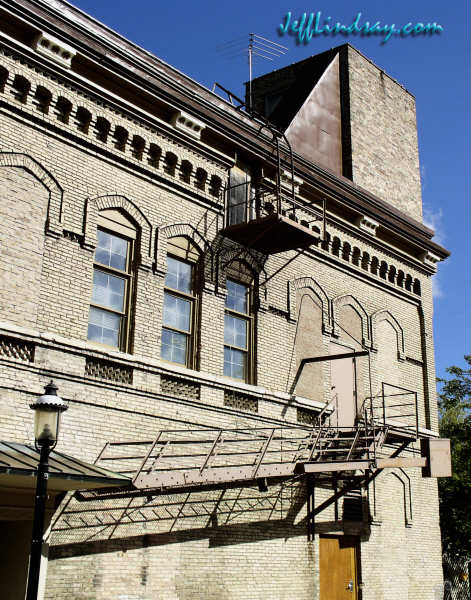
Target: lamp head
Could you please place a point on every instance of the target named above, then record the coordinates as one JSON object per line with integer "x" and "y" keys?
{"x": 48, "y": 409}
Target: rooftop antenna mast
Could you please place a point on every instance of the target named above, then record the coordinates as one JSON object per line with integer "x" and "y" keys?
{"x": 264, "y": 48}
{"x": 257, "y": 46}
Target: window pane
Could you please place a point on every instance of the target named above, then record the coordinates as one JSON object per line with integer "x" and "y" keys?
{"x": 178, "y": 275}
{"x": 174, "y": 346}
{"x": 108, "y": 290}
{"x": 234, "y": 363}
{"x": 235, "y": 331}
{"x": 103, "y": 327}
{"x": 111, "y": 250}
{"x": 236, "y": 298}
{"x": 177, "y": 312}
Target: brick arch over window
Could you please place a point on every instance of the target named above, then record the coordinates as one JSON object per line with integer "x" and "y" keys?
{"x": 95, "y": 205}
{"x": 54, "y": 218}
{"x": 385, "y": 315}
{"x": 348, "y": 300}
{"x": 250, "y": 258}
{"x": 310, "y": 283}
{"x": 170, "y": 230}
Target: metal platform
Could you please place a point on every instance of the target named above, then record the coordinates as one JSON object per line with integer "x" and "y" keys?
{"x": 272, "y": 234}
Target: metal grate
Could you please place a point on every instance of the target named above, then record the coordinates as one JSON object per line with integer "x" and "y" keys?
{"x": 240, "y": 401}
{"x": 180, "y": 387}
{"x": 104, "y": 369}
{"x": 16, "y": 348}
{"x": 306, "y": 416}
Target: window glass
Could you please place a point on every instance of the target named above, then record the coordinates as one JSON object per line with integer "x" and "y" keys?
{"x": 179, "y": 308}
{"x": 177, "y": 312}
{"x": 111, "y": 250}
{"x": 174, "y": 346}
{"x": 236, "y": 298}
{"x": 235, "y": 331}
{"x": 178, "y": 275}
{"x": 108, "y": 290}
{"x": 109, "y": 305}
{"x": 103, "y": 327}
{"x": 234, "y": 363}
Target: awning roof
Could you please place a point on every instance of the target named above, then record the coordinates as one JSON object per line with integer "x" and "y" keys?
{"x": 18, "y": 464}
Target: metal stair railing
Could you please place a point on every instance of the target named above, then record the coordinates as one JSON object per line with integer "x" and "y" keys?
{"x": 188, "y": 459}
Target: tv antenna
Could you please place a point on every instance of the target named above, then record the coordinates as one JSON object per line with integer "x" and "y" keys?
{"x": 257, "y": 46}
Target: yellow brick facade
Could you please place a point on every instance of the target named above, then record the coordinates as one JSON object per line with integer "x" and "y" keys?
{"x": 234, "y": 543}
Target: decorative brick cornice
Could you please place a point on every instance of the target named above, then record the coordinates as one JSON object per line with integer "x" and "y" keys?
{"x": 55, "y": 49}
{"x": 367, "y": 224}
{"x": 431, "y": 260}
{"x": 189, "y": 124}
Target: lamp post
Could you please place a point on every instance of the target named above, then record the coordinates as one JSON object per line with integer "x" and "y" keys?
{"x": 48, "y": 409}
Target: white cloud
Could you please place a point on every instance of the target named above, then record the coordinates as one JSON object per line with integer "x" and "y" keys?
{"x": 437, "y": 290}
{"x": 434, "y": 219}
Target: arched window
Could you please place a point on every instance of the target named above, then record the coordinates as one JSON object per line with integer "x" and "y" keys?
{"x": 63, "y": 110}
{"x": 346, "y": 251}
{"x": 42, "y": 99}
{"x": 374, "y": 265}
{"x": 356, "y": 256}
{"x": 83, "y": 119}
{"x": 200, "y": 178}
{"x": 400, "y": 278}
{"x": 170, "y": 163}
{"x": 186, "y": 169}
{"x": 102, "y": 129}
{"x": 215, "y": 184}
{"x": 20, "y": 88}
{"x": 181, "y": 306}
{"x": 239, "y": 326}
{"x": 120, "y": 137}
{"x": 336, "y": 246}
{"x": 3, "y": 78}
{"x": 383, "y": 269}
{"x": 113, "y": 274}
{"x": 137, "y": 147}
{"x": 153, "y": 155}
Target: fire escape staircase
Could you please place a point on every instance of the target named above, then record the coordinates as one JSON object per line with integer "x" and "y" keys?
{"x": 192, "y": 460}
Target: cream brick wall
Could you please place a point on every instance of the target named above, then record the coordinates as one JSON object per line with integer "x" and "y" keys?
{"x": 384, "y": 136}
{"x": 240, "y": 544}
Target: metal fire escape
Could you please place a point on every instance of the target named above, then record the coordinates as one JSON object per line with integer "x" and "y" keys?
{"x": 185, "y": 460}
{"x": 267, "y": 216}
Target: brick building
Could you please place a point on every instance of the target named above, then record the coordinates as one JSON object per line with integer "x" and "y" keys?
{"x": 240, "y": 303}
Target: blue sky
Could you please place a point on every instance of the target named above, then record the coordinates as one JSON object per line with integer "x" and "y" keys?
{"x": 437, "y": 70}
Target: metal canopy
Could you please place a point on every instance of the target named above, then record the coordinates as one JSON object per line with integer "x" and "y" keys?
{"x": 18, "y": 464}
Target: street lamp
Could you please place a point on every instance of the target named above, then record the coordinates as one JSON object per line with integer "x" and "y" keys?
{"x": 48, "y": 409}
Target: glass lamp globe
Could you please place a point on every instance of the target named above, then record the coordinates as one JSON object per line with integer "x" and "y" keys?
{"x": 48, "y": 409}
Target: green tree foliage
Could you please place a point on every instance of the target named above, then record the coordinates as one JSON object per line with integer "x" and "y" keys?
{"x": 455, "y": 491}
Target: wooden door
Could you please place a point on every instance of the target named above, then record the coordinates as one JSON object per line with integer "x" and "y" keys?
{"x": 343, "y": 386}
{"x": 338, "y": 568}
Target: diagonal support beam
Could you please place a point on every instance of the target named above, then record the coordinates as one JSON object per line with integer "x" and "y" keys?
{"x": 348, "y": 488}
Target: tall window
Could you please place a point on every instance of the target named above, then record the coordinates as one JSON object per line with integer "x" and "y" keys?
{"x": 109, "y": 317}
{"x": 239, "y": 328}
{"x": 180, "y": 304}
